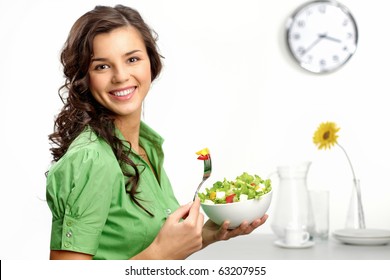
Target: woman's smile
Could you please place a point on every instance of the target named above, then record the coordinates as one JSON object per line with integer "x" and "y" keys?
{"x": 123, "y": 94}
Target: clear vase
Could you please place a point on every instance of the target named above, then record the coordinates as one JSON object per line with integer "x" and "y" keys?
{"x": 355, "y": 216}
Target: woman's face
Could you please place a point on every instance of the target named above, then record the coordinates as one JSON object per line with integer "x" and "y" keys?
{"x": 119, "y": 72}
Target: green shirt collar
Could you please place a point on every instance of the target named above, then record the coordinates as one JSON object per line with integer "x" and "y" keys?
{"x": 147, "y": 136}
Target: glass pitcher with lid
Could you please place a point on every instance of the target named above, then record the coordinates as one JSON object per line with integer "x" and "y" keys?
{"x": 292, "y": 205}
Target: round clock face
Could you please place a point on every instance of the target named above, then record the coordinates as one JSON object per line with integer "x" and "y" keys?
{"x": 322, "y": 36}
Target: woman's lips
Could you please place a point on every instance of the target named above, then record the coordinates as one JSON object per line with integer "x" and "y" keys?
{"x": 123, "y": 93}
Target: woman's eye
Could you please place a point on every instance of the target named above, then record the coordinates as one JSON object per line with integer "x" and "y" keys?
{"x": 133, "y": 59}
{"x": 101, "y": 67}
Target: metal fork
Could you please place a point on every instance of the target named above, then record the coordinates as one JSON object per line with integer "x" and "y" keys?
{"x": 206, "y": 173}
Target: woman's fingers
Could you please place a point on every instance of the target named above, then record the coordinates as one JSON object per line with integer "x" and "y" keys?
{"x": 194, "y": 210}
{"x": 263, "y": 219}
{"x": 180, "y": 213}
{"x": 200, "y": 221}
{"x": 244, "y": 228}
{"x": 189, "y": 212}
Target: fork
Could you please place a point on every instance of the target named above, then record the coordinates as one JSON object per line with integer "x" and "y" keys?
{"x": 206, "y": 173}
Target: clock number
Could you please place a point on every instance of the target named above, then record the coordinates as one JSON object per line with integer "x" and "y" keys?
{"x": 309, "y": 12}
{"x": 301, "y": 23}
{"x": 322, "y": 9}
{"x": 296, "y": 36}
{"x": 301, "y": 51}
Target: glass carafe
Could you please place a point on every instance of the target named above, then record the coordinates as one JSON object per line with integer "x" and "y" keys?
{"x": 292, "y": 206}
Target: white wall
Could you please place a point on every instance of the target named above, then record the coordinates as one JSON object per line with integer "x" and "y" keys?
{"x": 228, "y": 84}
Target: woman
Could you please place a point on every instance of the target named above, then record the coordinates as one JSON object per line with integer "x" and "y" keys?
{"x": 108, "y": 192}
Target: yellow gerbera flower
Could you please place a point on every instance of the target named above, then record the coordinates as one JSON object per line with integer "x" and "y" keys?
{"x": 326, "y": 135}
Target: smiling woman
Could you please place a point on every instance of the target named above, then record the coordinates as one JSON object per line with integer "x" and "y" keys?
{"x": 107, "y": 190}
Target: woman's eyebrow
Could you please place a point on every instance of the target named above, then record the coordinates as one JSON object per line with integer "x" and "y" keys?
{"x": 106, "y": 59}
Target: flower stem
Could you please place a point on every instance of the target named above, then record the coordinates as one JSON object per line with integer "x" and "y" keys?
{"x": 349, "y": 161}
{"x": 362, "y": 223}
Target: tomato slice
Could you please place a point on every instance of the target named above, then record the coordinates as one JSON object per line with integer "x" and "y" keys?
{"x": 229, "y": 198}
{"x": 203, "y": 157}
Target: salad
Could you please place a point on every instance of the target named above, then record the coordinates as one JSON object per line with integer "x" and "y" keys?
{"x": 245, "y": 187}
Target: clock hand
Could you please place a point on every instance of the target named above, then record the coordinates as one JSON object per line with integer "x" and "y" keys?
{"x": 320, "y": 37}
{"x": 332, "y": 39}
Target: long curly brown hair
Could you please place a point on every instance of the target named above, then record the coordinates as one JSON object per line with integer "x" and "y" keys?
{"x": 80, "y": 108}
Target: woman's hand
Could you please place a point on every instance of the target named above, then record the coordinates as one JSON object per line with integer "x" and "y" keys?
{"x": 212, "y": 232}
{"x": 178, "y": 238}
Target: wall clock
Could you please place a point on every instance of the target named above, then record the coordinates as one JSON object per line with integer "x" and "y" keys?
{"x": 322, "y": 36}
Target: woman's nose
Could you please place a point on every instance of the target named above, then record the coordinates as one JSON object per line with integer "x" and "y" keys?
{"x": 121, "y": 74}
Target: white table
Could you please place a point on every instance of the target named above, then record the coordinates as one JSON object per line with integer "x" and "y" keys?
{"x": 258, "y": 246}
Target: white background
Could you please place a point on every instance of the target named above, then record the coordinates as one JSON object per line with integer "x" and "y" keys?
{"x": 229, "y": 84}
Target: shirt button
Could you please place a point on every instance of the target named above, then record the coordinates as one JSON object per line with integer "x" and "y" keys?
{"x": 69, "y": 223}
{"x": 67, "y": 244}
{"x": 168, "y": 211}
{"x": 69, "y": 234}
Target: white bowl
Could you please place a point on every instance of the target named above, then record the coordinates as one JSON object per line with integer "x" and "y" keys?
{"x": 238, "y": 212}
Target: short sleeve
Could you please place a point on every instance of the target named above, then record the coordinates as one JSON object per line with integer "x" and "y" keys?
{"x": 79, "y": 192}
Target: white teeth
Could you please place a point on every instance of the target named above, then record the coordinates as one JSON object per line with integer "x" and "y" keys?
{"x": 123, "y": 92}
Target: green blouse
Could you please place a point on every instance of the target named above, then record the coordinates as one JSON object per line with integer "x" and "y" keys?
{"x": 92, "y": 213}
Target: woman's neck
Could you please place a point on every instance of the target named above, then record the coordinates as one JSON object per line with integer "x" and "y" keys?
{"x": 130, "y": 130}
